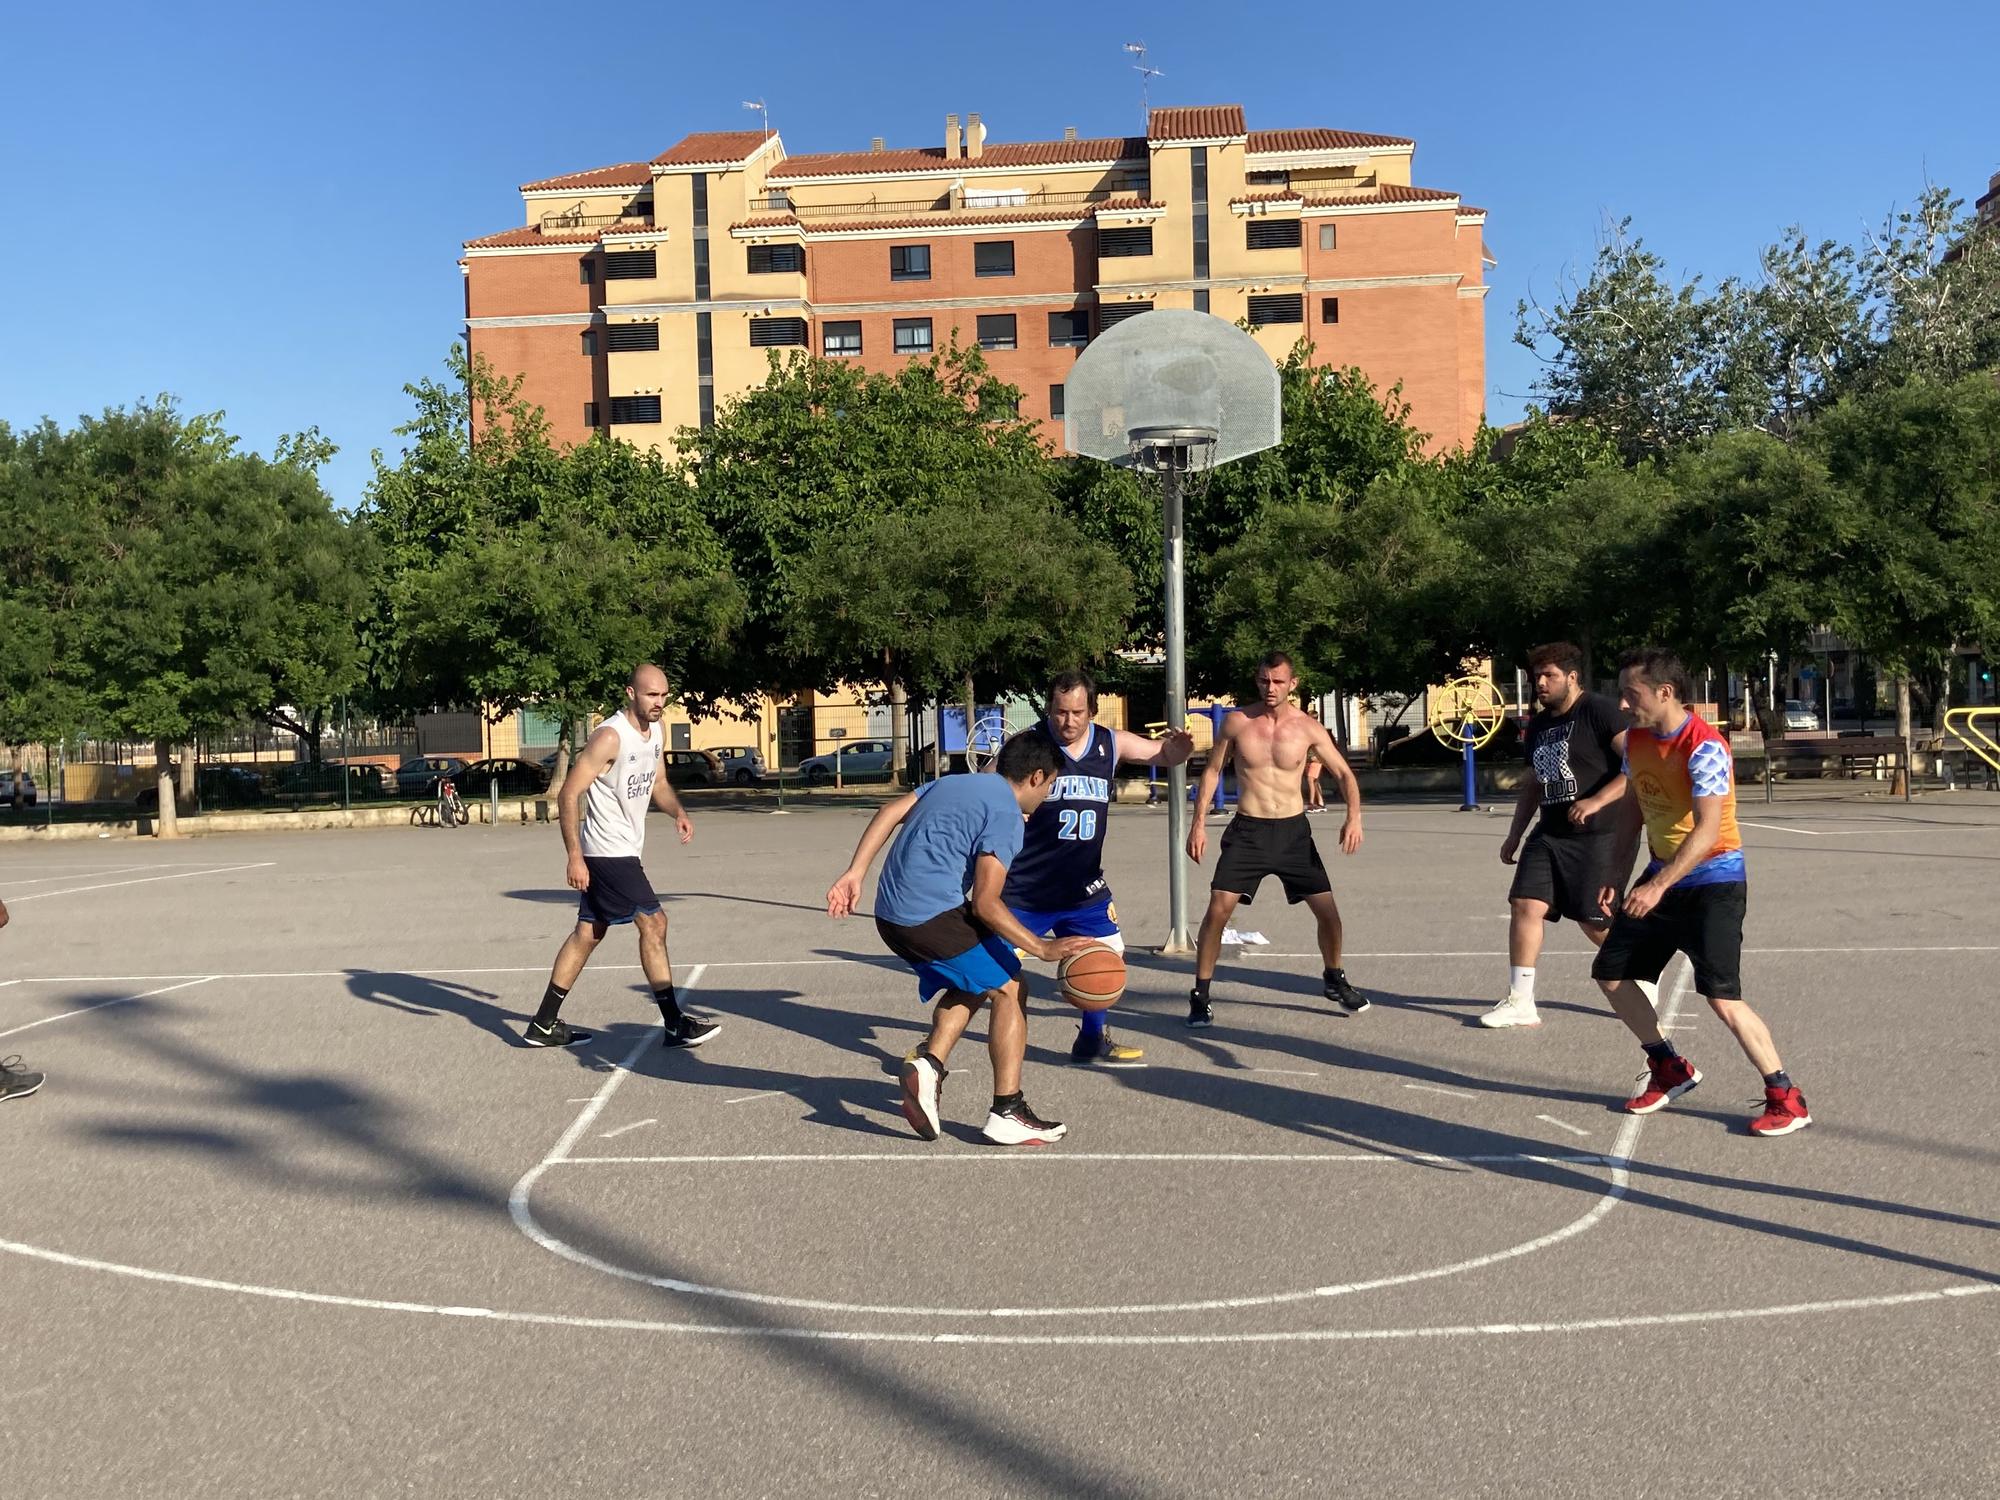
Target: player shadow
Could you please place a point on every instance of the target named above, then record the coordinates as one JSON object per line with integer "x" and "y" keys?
{"x": 420, "y": 995}
{"x": 340, "y": 1116}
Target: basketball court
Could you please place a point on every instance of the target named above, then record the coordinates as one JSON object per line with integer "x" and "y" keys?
{"x": 296, "y": 1212}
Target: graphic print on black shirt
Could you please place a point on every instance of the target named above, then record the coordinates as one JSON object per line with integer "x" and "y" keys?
{"x": 1573, "y": 755}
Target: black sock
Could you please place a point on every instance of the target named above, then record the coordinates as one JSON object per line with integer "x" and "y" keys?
{"x": 1329, "y": 977}
{"x": 552, "y": 999}
{"x": 1778, "y": 1080}
{"x": 1201, "y": 989}
{"x": 670, "y": 1008}
{"x": 1004, "y": 1102}
{"x": 1660, "y": 1051}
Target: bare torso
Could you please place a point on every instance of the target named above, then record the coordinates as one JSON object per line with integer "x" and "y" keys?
{"x": 1270, "y": 747}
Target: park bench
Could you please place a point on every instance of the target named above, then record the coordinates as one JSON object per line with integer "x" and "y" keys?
{"x": 1852, "y": 751}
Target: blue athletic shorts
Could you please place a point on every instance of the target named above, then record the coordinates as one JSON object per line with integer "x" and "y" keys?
{"x": 1097, "y": 920}
{"x": 952, "y": 951}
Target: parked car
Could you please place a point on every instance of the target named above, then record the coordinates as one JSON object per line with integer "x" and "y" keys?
{"x": 741, "y": 764}
{"x": 419, "y": 775}
{"x": 1800, "y": 715}
{"x": 516, "y": 778}
{"x": 17, "y": 789}
{"x": 214, "y": 786}
{"x": 693, "y": 768}
{"x": 858, "y": 759}
{"x": 304, "y": 778}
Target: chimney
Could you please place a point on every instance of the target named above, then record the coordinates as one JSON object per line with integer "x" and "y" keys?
{"x": 875, "y": 146}
{"x": 975, "y": 138}
{"x": 1069, "y": 132}
{"x": 952, "y": 147}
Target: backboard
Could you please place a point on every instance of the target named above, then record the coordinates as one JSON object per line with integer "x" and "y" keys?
{"x": 1171, "y": 368}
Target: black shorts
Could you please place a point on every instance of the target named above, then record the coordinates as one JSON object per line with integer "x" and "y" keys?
{"x": 619, "y": 890}
{"x": 1255, "y": 847}
{"x": 1703, "y": 921}
{"x": 1568, "y": 874}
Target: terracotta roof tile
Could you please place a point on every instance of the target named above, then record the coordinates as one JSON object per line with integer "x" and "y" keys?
{"x": 1278, "y": 197}
{"x": 514, "y": 238}
{"x": 1468, "y": 210}
{"x": 1386, "y": 194}
{"x": 1197, "y": 122}
{"x": 1320, "y": 140}
{"x": 711, "y": 147}
{"x": 625, "y": 174}
{"x": 933, "y": 160}
{"x": 768, "y": 221}
{"x": 1124, "y": 205}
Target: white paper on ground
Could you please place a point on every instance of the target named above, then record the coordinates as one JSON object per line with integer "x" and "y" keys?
{"x": 1246, "y": 939}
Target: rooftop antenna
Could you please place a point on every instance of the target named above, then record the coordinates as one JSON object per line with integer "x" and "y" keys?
{"x": 1146, "y": 77}
{"x": 762, "y": 109}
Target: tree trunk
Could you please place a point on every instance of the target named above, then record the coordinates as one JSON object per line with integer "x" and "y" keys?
{"x": 1902, "y": 725}
{"x": 189, "y": 761}
{"x": 565, "y": 737}
{"x": 899, "y": 728}
{"x": 167, "y": 824}
{"x": 971, "y": 714}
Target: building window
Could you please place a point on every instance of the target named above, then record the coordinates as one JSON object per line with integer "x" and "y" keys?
{"x": 767, "y": 260}
{"x": 1116, "y": 242}
{"x": 1326, "y": 237}
{"x": 634, "y": 409}
{"x": 590, "y": 414}
{"x": 625, "y": 337}
{"x": 1282, "y": 307}
{"x": 909, "y": 262}
{"x": 589, "y": 343}
{"x": 996, "y": 331}
{"x": 1118, "y": 312}
{"x": 631, "y": 265}
{"x": 913, "y": 336}
{"x": 993, "y": 258}
{"x": 1056, "y": 402}
{"x": 1201, "y": 299}
{"x": 1329, "y": 309}
{"x": 1271, "y": 234}
{"x": 1198, "y": 214}
{"x": 777, "y": 333}
{"x": 1069, "y": 330}
{"x": 586, "y": 271}
{"x": 838, "y": 340}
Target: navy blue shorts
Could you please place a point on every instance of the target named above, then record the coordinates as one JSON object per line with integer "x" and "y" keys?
{"x": 619, "y": 890}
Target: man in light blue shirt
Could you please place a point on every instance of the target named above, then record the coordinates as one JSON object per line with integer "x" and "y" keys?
{"x": 939, "y": 909}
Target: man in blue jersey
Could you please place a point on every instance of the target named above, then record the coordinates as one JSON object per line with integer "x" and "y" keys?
{"x": 1056, "y": 888}
{"x": 938, "y": 907}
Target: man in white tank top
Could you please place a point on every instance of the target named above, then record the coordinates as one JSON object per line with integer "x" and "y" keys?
{"x": 618, "y": 775}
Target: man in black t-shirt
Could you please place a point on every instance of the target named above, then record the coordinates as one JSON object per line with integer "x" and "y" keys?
{"x": 1575, "y": 745}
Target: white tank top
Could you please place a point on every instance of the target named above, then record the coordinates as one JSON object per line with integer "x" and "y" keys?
{"x": 614, "y": 811}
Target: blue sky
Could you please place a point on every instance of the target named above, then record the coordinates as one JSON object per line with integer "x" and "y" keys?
{"x": 259, "y": 207}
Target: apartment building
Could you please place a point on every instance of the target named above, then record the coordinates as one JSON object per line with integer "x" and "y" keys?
{"x": 637, "y": 298}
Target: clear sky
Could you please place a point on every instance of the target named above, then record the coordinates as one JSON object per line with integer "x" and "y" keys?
{"x": 259, "y": 207}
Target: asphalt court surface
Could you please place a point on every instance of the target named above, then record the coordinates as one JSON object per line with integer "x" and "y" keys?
{"x": 296, "y": 1212}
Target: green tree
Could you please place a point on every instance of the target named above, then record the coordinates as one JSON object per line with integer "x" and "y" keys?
{"x": 1932, "y": 277}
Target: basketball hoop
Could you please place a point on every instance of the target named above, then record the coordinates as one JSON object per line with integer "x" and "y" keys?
{"x": 1186, "y": 452}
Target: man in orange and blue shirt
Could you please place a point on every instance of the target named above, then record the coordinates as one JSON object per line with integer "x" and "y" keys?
{"x": 1680, "y": 786}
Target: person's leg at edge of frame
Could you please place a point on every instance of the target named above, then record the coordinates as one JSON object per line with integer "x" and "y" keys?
{"x": 1208, "y": 952}
{"x": 547, "y": 1028}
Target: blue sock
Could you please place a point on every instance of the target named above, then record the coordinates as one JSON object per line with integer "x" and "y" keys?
{"x": 1093, "y": 1024}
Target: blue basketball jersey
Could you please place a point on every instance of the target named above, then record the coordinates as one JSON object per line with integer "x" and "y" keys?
{"x": 1061, "y": 863}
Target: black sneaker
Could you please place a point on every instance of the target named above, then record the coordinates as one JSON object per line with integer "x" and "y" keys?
{"x": 1199, "y": 1013}
{"x": 1018, "y": 1125}
{"x": 1346, "y": 995}
{"x": 689, "y": 1031}
{"x": 16, "y": 1082}
{"x": 555, "y": 1034}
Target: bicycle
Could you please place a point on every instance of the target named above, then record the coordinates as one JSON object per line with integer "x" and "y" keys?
{"x": 451, "y": 812}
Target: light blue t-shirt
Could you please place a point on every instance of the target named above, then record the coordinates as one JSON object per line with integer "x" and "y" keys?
{"x": 929, "y": 869}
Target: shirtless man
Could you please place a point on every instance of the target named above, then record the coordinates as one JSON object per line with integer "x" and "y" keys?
{"x": 1269, "y": 834}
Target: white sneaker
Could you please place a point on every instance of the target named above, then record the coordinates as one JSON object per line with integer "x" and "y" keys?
{"x": 922, "y": 1081}
{"x": 1515, "y": 1010}
{"x": 1651, "y": 991}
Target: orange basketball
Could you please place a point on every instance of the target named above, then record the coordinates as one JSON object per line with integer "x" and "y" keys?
{"x": 1092, "y": 979}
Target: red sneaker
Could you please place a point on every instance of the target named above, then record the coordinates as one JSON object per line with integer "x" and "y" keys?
{"x": 1784, "y": 1112}
{"x": 1665, "y": 1081}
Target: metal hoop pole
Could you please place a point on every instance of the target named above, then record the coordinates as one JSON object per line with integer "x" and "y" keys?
{"x": 1177, "y": 785}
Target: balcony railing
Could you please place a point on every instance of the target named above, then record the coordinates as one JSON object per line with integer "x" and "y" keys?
{"x": 961, "y": 200}
{"x": 557, "y": 223}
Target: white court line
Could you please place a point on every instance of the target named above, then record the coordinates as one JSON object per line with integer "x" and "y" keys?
{"x": 767, "y": 1094}
{"x": 5, "y": 982}
{"x": 622, "y": 1129}
{"x": 74, "y": 890}
{"x": 1049, "y": 1160}
{"x": 101, "y": 1004}
{"x": 92, "y": 874}
{"x": 1562, "y": 1125}
{"x": 1431, "y": 1088}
